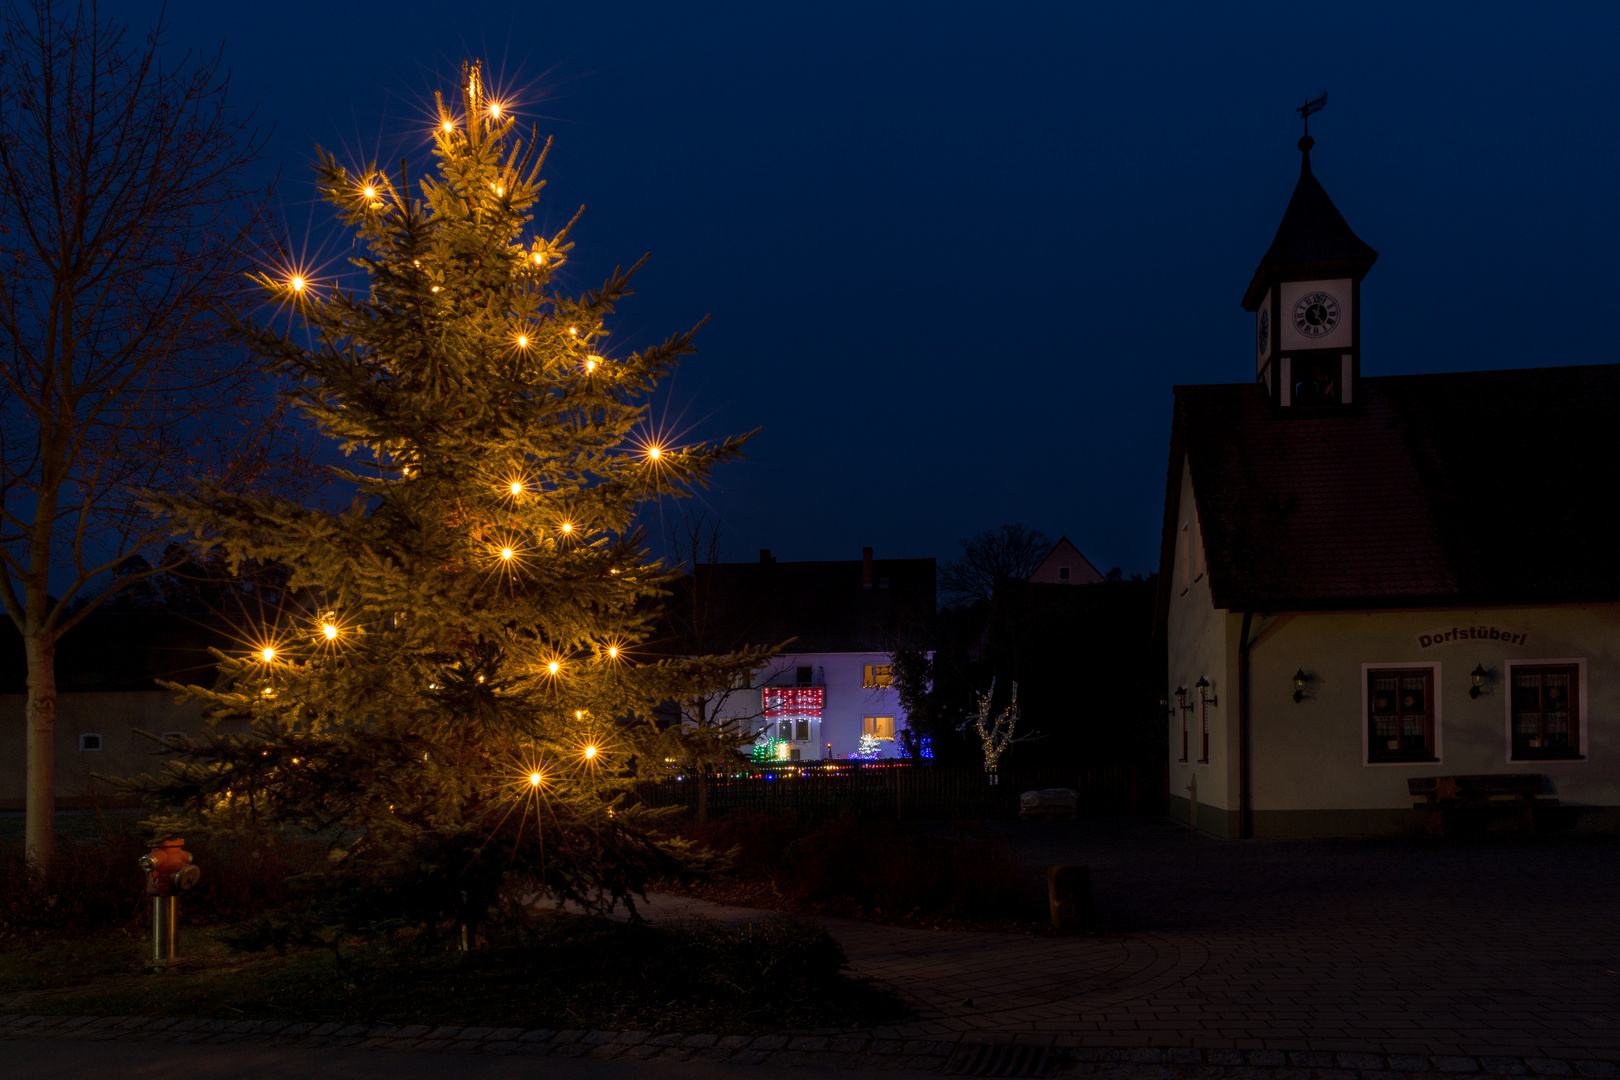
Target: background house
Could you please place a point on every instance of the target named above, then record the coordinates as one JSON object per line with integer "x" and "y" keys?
{"x": 1064, "y": 565}
{"x": 106, "y": 690}
{"x": 840, "y": 623}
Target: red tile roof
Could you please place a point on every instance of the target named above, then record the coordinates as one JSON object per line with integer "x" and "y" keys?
{"x": 1438, "y": 490}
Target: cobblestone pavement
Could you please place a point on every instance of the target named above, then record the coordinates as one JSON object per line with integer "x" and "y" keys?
{"x": 331, "y": 1041}
{"x": 1501, "y": 946}
{"x": 66, "y": 1042}
{"x": 1346, "y": 960}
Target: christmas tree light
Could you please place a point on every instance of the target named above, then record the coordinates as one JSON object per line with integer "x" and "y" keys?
{"x": 465, "y": 593}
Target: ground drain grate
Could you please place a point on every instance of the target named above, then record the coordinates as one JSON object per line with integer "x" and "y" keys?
{"x": 1003, "y": 1059}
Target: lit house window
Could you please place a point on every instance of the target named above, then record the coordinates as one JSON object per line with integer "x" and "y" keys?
{"x": 1546, "y": 712}
{"x": 874, "y": 675}
{"x": 89, "y": 742}
{"x": 1400, "y": 714}
{"x": 879, "y": 727}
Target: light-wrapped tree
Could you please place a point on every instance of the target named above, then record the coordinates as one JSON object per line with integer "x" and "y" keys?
{"x": 454, "y": 695}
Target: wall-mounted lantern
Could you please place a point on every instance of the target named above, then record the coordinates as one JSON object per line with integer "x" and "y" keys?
{"x": 1300, "y": 679}
{"x": 1203, "y": 684}
{"x": 1181, "y": 698}
{"x": 1480, "y": 677}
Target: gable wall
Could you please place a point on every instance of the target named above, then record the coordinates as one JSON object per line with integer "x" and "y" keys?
{"x": 1197, "y": 637}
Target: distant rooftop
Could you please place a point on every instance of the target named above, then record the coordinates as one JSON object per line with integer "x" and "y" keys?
{"x": 855, "y": 605}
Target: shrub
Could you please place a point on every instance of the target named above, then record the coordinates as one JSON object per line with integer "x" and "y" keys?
{"x": 894, "y": 871}
{"x": 96, "y": 884}
{"x": 757, "y": 840}
{"x": 904, "y": 872}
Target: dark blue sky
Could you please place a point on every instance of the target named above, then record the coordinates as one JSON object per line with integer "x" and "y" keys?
{"x": 957, "y": 255}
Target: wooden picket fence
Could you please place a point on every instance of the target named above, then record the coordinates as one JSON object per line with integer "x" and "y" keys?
{"x": 892, "y": 790}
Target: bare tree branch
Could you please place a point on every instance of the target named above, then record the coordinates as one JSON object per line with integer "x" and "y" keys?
{"x": 126, "y": 225}
{"x": 1011, "y": 551}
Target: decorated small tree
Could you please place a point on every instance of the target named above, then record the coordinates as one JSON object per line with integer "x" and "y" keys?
{"x": 454, "y": 693}
{"x": 866, "y": 750}
{"x": 998, "y": 733}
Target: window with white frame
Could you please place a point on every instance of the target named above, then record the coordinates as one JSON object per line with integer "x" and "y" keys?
{"x": 795, "y": 729}
{"x": 1401, "y": 714}
{"x": 1544, "y": 710}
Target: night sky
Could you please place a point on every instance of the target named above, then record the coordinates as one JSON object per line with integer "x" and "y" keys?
{"x": 957, "y": 255}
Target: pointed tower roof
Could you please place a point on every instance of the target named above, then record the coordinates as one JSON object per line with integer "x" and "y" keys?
{"x": 1313, "y": 240}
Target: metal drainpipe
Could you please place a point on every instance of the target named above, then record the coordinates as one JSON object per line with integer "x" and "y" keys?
{"x": 1245, "y": 782}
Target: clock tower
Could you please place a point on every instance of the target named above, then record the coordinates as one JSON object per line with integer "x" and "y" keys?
{"x": 1306, "y": 299}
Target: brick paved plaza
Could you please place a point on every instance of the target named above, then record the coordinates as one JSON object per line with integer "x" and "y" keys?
{"x": 1218, "y": 960}
{"x": 1493, "y": 946}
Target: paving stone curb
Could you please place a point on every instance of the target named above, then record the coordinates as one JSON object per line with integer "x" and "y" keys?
{"x": 848, "y": 1049}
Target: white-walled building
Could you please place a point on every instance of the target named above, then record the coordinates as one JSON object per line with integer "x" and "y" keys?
{"x": 840, "y": 624}
{"x": 1373, "y": 585}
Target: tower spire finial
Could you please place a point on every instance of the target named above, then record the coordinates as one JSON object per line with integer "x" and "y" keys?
{"x": 1305, "y": 111}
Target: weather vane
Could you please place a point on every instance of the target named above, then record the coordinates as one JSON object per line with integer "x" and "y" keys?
{"x": 1305, "y": 111}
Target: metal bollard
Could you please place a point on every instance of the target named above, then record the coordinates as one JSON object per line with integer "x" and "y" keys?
{"x": 169, "y": 870}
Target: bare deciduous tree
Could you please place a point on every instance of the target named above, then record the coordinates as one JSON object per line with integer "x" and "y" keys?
{"x": 1011, "y": 551}
{"x": 125, "y": 225}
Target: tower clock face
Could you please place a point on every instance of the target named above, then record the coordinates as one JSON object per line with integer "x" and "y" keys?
{"x": 1316, "y": 314}
{"x": 1262, "y": 332}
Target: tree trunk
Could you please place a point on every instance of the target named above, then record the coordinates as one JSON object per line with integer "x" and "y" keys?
{"x": 39, "y": 828}
{"x": 703, "y": 793}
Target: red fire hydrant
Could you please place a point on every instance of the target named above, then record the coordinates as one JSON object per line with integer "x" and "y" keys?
{"x": 169, "y": 871}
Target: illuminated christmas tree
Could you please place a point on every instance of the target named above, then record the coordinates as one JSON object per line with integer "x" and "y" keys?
{"x": 454, "y": 690}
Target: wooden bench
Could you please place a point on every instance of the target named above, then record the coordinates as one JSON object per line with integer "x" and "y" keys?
{"x": 1454, "y": 801}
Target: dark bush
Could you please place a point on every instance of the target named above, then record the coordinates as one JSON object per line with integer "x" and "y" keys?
{"x": 757, "y": 840}
{"x": 888, "y": 871}
{"x": 95, "y": 884}
{"x": 91, "y": 885}
{"x": 903, "y": 873}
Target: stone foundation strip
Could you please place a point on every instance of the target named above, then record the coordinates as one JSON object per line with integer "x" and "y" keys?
{"x": 854, "y": 1049}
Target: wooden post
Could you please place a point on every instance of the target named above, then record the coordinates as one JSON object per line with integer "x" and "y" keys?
{"x": 1068, "y": 895}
